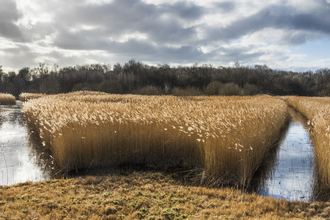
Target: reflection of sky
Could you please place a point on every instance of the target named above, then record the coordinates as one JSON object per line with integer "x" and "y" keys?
{"x": 17, "y": 164}
{"x": 292, "y": 177}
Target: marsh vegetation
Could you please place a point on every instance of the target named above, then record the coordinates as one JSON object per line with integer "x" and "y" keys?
{"x": 220, "y": 139}
{"x": 140, "y": 195}
{"x": 7, "y": 99}
{"x": 227, "y": 137}
{"x": 317, "y": 111}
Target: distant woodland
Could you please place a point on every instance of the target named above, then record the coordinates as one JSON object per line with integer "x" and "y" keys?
{"x": 138, "y": 78}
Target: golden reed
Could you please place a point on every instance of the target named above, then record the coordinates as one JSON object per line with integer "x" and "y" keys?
{"x": 27, "y": 96}
{"x": 7, "y": 99}
{"x": 226, "y": 136}
{"x": 317, "y": 111}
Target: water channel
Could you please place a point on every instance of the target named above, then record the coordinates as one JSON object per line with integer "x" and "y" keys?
{"x": 287, "y": 173}
{"x": 20, "y": 160}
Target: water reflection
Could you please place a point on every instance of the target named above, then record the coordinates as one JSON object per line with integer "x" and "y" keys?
{"x": 19, "y": 156}
{"x": 291, "y": 172}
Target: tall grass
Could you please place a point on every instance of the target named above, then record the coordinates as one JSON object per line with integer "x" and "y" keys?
{"x": 227, "y": 137}
{"x": 7, "y": 99}
{"x": 27, "y": 96}
{"x": 317, "y": 111}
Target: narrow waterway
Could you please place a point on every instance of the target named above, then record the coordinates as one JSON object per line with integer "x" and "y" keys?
{"x": 291, "y": 172}
{"x": 19, "y": 159}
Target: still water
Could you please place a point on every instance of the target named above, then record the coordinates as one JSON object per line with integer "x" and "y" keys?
{"x": 19, "y": 157}
{"x": 287, "y": 173}
{"x": 291, "y": 172}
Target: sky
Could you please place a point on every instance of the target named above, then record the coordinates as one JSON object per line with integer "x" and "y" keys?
{"x": 283, "y": 34}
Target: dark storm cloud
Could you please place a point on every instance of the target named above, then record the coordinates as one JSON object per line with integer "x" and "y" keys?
{"x": 8, "y": 16}
{"x": 278, "y": 17}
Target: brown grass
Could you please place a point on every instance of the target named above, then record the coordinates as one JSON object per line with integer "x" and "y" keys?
{"x": 7, "y": 99}
{"x": 228, "y": 137}
{"x": 27, "y": 96}
{"x": 144, "y": 196}
{"x": 317, "y": 111}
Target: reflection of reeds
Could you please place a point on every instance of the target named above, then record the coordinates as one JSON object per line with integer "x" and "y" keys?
{"x": 299, "y": 117}
{"x": 226, "y": 136}
{"x": 268, "y": 164}
{"x": 317, "y": 111}
{"x": 7, "y": 99}
{"x": 2, "y": 150}
{"x": 43, "y": 160}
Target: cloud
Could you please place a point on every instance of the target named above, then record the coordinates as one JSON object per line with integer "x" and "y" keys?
{"x": 163, "y": 23}
{"x": 279, "y": 17}
{"x": 225, "y": 7}
{"x": 8, "y": 16}
{"x": 180, "y": 32}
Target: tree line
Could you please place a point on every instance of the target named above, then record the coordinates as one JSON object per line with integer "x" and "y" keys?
{"x": 139, "y": 78}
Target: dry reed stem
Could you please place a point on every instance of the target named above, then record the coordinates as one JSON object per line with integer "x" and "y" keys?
{"x": 144, "y": 196}
{"x": 317, "y": 111}
{"x": 226, "y": 136}
{"x": 7, "y": 99}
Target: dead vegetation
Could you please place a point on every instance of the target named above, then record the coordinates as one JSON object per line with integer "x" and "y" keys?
{"x": 144, "y": 196}
{"x": 227, "y": 137}
{"x": 27, "y": 96}
{"x": 317, "y": 111}
{"x": 7, "y": 99}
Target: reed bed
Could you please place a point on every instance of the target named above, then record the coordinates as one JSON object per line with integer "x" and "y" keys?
{"x": 7, "y": 99}
{"x": 27, "y": 96}
{"x": 317, "y": 111}
{"x": 228, "y": 137}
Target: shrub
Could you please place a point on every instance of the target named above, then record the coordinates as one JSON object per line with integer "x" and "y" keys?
{"x": 213, "y": 88}
{"x": 110, "y": 86}
{"x": 230, "y": 89}
{"x": 250, "y": 89}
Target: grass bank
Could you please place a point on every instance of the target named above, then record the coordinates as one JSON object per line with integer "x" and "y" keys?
{"x": 7, "y": 99}
{"x": 144, "y": 196}
{"x": 317, "y": 111}
{"x": 226, "y": 136}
